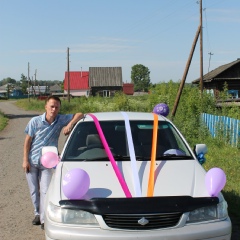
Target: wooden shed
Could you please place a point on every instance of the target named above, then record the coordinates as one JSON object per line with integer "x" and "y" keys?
{"x": 128, "y": 88}
{"x": 215, "y": 80}
{"x": 105, "y": 81}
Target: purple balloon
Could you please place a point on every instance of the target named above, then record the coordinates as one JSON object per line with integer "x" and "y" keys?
{"x": 215, "y": 181}
{"x": 174, "y": 151}
{"x": 75, "y": 183}
{"x": 49, "y": 159}
{"x": 161, "y": 109}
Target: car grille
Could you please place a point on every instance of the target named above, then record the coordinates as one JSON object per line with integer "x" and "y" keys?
{"x": 149, "y": 221}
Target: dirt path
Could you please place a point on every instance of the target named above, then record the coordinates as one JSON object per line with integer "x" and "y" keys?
{"x": 16, "y": 210}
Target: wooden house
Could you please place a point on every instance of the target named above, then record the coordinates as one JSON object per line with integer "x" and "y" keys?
{"x": 215, "y": 80}
{"x": 78, "y": 83}
{"x": 105, "y": 81}
{"x": 55, "y": 89}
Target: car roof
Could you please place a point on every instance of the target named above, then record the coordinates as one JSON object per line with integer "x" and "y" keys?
{"x": 114, "y": 116}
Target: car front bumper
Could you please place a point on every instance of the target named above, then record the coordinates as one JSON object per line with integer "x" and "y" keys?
{"x": 206, "y": 231}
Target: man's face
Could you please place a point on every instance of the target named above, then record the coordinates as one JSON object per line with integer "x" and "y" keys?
{"x": 52, "y": 108}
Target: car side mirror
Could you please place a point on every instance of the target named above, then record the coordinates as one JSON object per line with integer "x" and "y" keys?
{"x": 200, "y": 150}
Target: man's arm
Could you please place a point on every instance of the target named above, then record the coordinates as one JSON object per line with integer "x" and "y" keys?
{"x": 71, "y": 124}
{"x": 26, "y": 149}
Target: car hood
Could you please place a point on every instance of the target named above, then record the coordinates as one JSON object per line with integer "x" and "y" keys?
{"x": 172, "y": 178}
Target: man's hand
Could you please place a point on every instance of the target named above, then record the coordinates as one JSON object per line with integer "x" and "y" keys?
{"x": 26, "y": 166}
{"x": 67, "y": 129}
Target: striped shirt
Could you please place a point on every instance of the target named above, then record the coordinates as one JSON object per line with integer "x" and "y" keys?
{"x": 44, "y": 134}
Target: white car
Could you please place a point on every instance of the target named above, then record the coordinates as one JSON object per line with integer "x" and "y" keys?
{"x": 142, "y": 181}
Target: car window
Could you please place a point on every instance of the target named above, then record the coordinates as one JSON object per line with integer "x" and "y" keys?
{"x": 86, "y": 145}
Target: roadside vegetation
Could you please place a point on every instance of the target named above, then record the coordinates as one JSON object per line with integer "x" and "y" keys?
{"x": 187, "y": 119}
{"x": 3, "y": 121}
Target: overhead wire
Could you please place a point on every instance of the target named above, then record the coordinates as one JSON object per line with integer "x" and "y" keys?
{"x": 207, "y": 32}
{"x": 142, "y": 26}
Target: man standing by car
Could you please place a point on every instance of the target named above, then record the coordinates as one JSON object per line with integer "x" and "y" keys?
{"x": 43, "y": 130}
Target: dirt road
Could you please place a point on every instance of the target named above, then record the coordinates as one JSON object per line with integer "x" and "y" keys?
{"x": 16, "y": 210}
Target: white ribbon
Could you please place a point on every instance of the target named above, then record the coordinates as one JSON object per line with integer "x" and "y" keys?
{"x": 136, "y": 181}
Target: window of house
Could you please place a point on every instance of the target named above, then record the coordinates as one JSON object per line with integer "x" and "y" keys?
{"x": 106, "y": 93}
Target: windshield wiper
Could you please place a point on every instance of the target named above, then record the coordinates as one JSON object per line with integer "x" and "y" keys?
{"x": 116, "y": 157}
{"x": 173, "y": 156}
{"x": 169, "y": 157}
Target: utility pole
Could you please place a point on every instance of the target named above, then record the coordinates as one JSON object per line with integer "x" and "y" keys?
{"x": 28, "y": 82}
{"x": 68, "y": 75}
{"x": 35, "y": 77}
{"x": 198, "y": 33}
{"x": 201, "y": 49}
{"x": 185, "y": 73}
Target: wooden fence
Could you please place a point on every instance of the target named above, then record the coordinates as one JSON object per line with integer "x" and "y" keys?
{"x": 225, "y": 127}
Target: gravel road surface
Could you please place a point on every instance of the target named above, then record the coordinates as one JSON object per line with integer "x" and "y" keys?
{"x": 16, "y": 210}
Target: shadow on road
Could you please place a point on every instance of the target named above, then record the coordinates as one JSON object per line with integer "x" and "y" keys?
{"x": 13, "y": 116}
{"x": 1, "y": 138}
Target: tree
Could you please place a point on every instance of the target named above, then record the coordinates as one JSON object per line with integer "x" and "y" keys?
{"x": 24, "y": 83}
{"x": 140, "y": 76}
{"x": 7, "y": 80}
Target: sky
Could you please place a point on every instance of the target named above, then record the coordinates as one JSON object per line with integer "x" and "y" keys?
{"x": 159, "y": 34}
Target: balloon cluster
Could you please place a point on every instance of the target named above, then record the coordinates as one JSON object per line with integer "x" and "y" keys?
{"x": 215, "y": 181}
{"x": 161, "y": 109}
{"x": 75, "y": 183}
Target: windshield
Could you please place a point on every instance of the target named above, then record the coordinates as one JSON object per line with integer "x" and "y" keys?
{"x": 86, "y": 145}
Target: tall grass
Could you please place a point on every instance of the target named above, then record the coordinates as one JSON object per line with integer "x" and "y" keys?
{"x": 192, "y": 103}
{"x": 3, "y": 121}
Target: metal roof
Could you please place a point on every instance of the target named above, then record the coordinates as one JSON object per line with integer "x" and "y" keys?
{"x": 78, "y": 80}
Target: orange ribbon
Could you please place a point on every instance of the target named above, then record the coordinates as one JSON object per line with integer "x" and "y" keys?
{"x": 153, "y": 157}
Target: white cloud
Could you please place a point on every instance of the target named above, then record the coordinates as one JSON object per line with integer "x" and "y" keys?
{"x": 224, "y": 15}
{"x": 98, "y": 45}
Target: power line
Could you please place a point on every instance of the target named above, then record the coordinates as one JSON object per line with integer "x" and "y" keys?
{"x": 206, "y": 23}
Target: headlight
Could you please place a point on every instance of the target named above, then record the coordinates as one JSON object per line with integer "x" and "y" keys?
{"x": 216, "y": 212}
{"x": 69, "y": 216}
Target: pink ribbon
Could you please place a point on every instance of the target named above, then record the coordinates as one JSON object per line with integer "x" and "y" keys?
{"x": 110, "y": 156}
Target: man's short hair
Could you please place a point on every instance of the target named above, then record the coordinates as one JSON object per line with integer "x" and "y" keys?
{"x": 53, "y": 97}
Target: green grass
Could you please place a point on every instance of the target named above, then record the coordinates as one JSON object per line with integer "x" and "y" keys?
{"x": 227, "y": 158}
{"x": 3, "y": 121}
{"x": 187, "y": 119}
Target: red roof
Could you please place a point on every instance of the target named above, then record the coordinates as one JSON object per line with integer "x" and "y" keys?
{"x": 77, "y": 80}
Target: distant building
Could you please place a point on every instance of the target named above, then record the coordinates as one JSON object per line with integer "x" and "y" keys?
{"x": 215, "y": 80}
{"x": 38, "y": 90}
{"x": 105, "y": 81}
{"x": 128, "y": 88}
{"x": 78, "y": 83}
{"x": 16, "y": 93}
{"x": 3, "y": 90}
{"x": 55, "y": 89}
{"x": 99, "y": 81}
